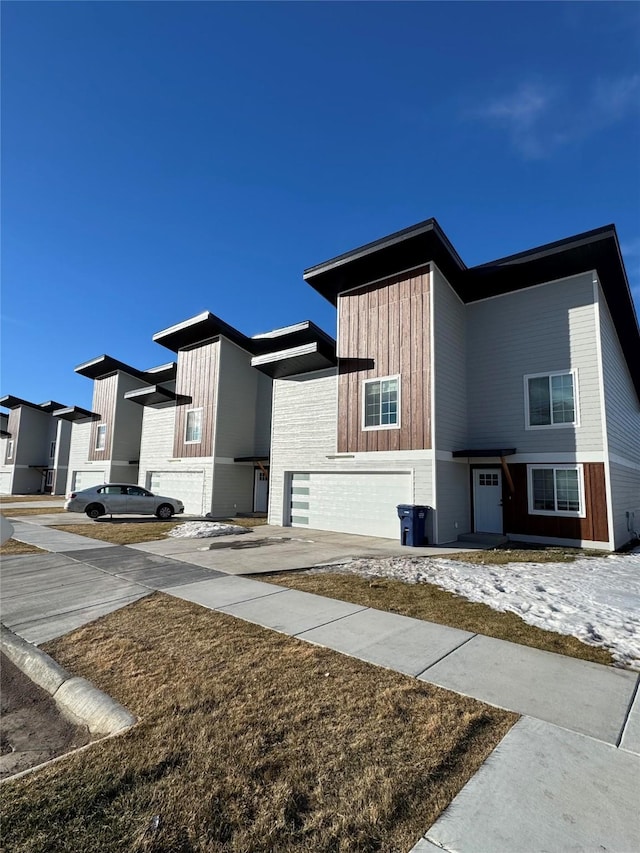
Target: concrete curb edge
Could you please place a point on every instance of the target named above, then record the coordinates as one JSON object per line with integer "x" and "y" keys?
{"x": 74, "y": 696}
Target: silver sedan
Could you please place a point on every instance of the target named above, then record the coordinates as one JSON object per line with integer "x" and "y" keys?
{"x": 116, "y": 498}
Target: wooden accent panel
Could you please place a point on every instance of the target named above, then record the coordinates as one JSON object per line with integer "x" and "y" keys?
{"x": 197, "y": 377}
{"x": 384, "y": 329}
{"x": 104, "y": 403}
{"x": 13, "y": 426}
{"x": 593, "y": 527}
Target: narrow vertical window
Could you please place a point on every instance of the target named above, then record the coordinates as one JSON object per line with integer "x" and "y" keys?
{"x": 10, "y": 449}
{"x": 101, "y": 437}
{"x": 52, "y": 450}
{"x": 193, "y": 428}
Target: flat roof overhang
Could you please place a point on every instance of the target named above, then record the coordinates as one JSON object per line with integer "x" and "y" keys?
{"x": 151, "y": 395}
{"x": 76, "y": 414}
{"x": 162, "y": 373}
{"x": 4, "y": 433}
{"x": 11, "y": 402}
{"x": 50, "y": 406}
{"x": 197, "y": 330}
{"x": 106, "y": 365}
{"x": 296, "y": 360}
{"x": 289, "y": 337}
{"x": 484, "y": 452}
{"x": 404, "y": 250}
{"x": 251, "y": 459}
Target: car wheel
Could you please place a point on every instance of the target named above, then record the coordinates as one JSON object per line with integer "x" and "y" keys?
{"x": 94, "y": 511}
{"x": 164, "y": 511}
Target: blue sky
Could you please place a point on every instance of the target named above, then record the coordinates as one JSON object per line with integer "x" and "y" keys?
{"x": 161, "y": 159}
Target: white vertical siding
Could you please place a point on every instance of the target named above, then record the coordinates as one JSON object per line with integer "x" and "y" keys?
{"x": 127, "y": 422}
{"x": 541, "y": 329}
{"x": 449, "y": 366}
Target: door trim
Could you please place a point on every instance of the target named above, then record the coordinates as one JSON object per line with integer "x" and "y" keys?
{"x": 488, "y": 469}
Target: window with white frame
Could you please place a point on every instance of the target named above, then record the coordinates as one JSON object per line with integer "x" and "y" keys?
{"x": 381, "y": 403}
{"x": 551, "y": 400}
{"x": 10, "y": 449}
{"x": 193, "y": 427}
{"x": 52, "y": 450}
{"x": 556, "y": 490}
{"x": 49, "y": 479}
{"x": 101, "y": 437}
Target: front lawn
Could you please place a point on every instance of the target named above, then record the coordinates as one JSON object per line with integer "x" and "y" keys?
{"x": 248, "y": 741}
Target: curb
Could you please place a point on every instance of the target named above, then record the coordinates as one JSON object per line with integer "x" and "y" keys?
{"x": 75, "y": 697}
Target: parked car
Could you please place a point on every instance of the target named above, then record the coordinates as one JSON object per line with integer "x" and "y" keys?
{"x": 112, "y": 498}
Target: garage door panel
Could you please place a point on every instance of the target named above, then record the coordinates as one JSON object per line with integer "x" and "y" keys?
{"x": 187, "y": 486}
{"x": 87, "y": 479}
{"x": 360, "y": 502}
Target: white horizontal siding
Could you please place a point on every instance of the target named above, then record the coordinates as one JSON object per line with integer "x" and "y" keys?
{"x": 621, "y": 402}
{"x": 625, "y": 498}
{"x": 232, "y": 489}
{"x": 538, "y": 330}
{"x": 453, "y": 500}
{"x": 79, "y": 454}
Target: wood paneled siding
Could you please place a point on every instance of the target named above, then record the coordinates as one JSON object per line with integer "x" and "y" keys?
{"x": 387, "y": 324}
{"x": 13, "y": 426}
{"x": 104, "y": 403}
{"x": 593, "y": 527}
{"x": 197, "y": 377}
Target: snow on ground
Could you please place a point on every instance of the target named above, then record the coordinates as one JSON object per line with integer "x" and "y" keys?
{"x": 596, "y": 599}
{"x": 205, "y": 530}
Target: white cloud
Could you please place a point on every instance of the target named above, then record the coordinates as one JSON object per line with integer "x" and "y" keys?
{"x": 539, "y": 117}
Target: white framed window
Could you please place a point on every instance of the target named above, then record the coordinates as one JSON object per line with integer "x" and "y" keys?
{"x": 193, "y": 427}
{"x": 381, "y": 403}
{"x": 551, "y": 400}
{"x": 49, "y": 478}
{"x": 52, "y": 450}
{"x": 10, "y": 449}
{"x": 101, "y": 437}
{"x": 556, "y": 490}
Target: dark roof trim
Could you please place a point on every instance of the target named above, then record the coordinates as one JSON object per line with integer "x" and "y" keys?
{"x": 76, "y": 413}
{"x": 162, "y": 373}
{"x": 151, "y": 395}
{"x": 288, "y": 337}
{"x": 11, "y": 402}
{"x": 50, "y": 406}
{"x": 4, "y": 433}
{"x": 291, "y": 362}
{"x": 106, "y": 365}
{"x": 251, "y": 459}
{"x": 500, "y": 451}
{"x": 196, "y": 330}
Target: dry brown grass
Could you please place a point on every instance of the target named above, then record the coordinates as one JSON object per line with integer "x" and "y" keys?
{"x": 121, "y": 532}
{"x": 16, "y": 499}
{"x": 249, "y": 741}
{"x": 521, "y": 554}
{"x": 43, "y": 510}
{"x": 13, "y": 546}
{"x": 429, "y": 602}
{"x": 149, "y": 529}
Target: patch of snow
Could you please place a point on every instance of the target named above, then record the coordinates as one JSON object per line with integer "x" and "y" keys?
{"x": 205, "y": 530}
{"x": 596, "y": 599}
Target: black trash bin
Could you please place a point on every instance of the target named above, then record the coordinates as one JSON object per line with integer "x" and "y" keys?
{"x": 412, "y": 524}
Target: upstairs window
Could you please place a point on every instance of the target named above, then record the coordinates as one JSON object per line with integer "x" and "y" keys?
{"x": 550, "y": 400}
{"x": 381, "y": 403}
{"x": 10, "y": 449}
{"x": 52, "y": 450}
{"x": 556, "y": 490}
{"x": 101, "y": 437}
{"x": 193, "y": 428}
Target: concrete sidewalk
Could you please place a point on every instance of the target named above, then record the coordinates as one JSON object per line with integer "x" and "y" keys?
{"x": 564, "y": 778}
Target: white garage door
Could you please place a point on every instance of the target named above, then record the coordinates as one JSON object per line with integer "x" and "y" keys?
{"x": 86, "y": 479}
{"x": 5, "y": 482}
{"x": 187, "y": 486}
{"x": 362, "y": 502}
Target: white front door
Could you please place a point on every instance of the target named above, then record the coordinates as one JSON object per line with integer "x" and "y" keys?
{"x": 260, "y": 491}
{"x": 487, "y": 500}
